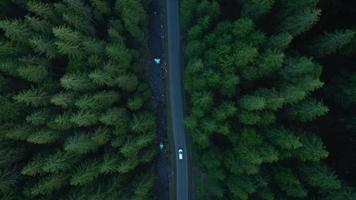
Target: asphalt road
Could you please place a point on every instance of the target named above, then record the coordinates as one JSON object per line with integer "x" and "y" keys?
{"x": 176, "y": 98}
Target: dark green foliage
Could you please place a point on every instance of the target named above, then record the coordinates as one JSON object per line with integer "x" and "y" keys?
{"x": 320, "y": 177}
{"x": 133, "y": 15}
{"x": 63, "y": 99}
{"x": 85, "y": 143}
{"x": 306, "y": 110}
{"x": 8, "y": 110}
{"x": 300, "y": 23}
{"x": 289, "y": 183}
{"x": 77, "y": 82}
{"x": 255, "y": 9}
{"x": 75, "y": 119}
{"x": 33, "y": 73}
{"x": 43, "y": 137}
{"x": 250, "y": 89}
{"x": 127, "y": 82}
{"x": 312, "y": 149}
{"x": 115, "y": 117}
{"x": 346, "y": 193}
{"x": 97, "y": 101}
{"x": 32, "y": 97}
{"x": 330, "y": 42}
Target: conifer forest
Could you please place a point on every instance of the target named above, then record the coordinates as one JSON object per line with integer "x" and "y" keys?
{"x": 269, "y": 100}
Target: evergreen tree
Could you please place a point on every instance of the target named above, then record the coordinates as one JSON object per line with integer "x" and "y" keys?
{"x": 250, "y": 97}
{"x": 77, "y": 82}
{"x": 330, "y": 42}
{"x": 133, "y": 16}
{"x": 33, "y": 73}
{"x": 33, "y": 97}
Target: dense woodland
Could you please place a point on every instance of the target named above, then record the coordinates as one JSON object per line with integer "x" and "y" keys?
{"x": 271, "y": 99}
{"x": 76, "y": 119}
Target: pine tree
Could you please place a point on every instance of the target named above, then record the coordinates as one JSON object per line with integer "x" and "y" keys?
{"x": 63, "y": 99}
{"x": 101, "y": 6}
{"x": 330, "y": 42}
{"x": 84, "y": 174}
{"x": 256, "y": 9}
{"x": 58, "y": 162}
{"x": 42, "y": 9}
{"x": 68, "y": 42}
{"x": 9, "y": 110}
{"x": 279, "y": 42}
{"x": 15, "y": 30}
{"x": 187, "y": 14}
{"x": 144, "y": 187}
{"x": 43, "y": 137}
{"x": 61, "y": 122}
{"x": 48, "y": 185}
{"x": 33, "y": 97}
{"x": 33, "y": 73}
{"x": 70, "y": 76}
{"x": 250, "y": 63}
{"x": 120, "y": 54}
{"x": 143, "y": 123}
{"x": 38, "y": 25}
{"x": 77, "y": 82}
{"x": 252, "y": 103}
{"x": 289, "y": 183}
{"x": 127, "y": 82}
{"x": 133, "y": 16}
{"x": 312, "y": 149}
{"x": 135, "y": 103}
{"x": 345, "y": 192}
{"x": 84, "y": 119}
{"x": 115, "y": 117}
{"x": 320, "y": 177}
{"x": 307, "y": 110}
{"x": 101, "y": 77}
{"x": 34, "y": 167}
{"x": 98, "y": 101}
{"x": 85, "y": 143}
{"x": 301, "y": 22}
{"x": 44, "y": 46}
{"x": 38, "y": 118}
{"x": 109, "y": 164}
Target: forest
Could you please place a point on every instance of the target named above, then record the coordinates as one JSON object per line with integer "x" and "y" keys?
{"x": 76, "y": 121}
{"x": 271, "y": 99}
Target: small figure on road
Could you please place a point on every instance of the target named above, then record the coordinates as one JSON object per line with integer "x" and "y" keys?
{"x": 161, "y": 146}
{"x": 157, "y": 61}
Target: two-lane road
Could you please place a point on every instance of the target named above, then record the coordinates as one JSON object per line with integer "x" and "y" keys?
{"x": 176, "y": 99}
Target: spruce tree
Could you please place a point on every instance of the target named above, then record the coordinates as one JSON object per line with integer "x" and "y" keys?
{"x": 250, "y": 89}
{"x": 75, "y": 114}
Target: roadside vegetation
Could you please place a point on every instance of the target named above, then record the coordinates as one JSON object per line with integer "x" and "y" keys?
{"x": 270, "y": 94}
{"x": 75, "y": 115}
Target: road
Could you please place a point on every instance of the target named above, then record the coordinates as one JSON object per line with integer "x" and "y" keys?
{"x": 176, "y": 99}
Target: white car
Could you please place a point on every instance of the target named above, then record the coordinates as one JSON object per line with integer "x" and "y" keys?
{"x": 180, "y": 154}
